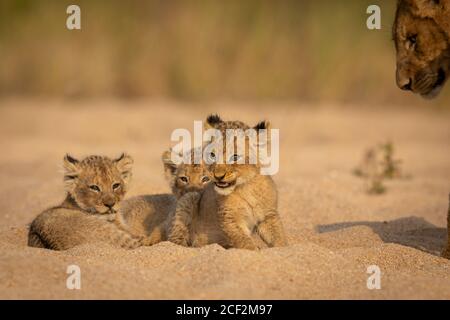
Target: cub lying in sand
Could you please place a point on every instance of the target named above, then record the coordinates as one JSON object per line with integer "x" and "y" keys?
{"x": 421, "y": 33}
{"x": 240, "y": 202}
{"x": 153, "y": 215}
{"x": 446, "y": 253}
{"x": 95, "y": 186}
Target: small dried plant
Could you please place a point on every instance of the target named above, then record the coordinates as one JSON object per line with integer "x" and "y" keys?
{"x": 378, "y": 164}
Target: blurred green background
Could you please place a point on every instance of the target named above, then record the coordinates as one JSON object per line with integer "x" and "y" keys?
{"x": 311, "y": 51}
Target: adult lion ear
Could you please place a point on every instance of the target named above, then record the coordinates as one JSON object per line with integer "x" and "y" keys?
{"x": 71, "y": 168}
{"x": 212, "y": 121}
{"x": 124, "y": 164}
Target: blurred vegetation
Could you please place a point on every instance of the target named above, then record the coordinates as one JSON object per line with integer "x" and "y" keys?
{"x": 317, "y": 51}
{"x": 378, "y": 165}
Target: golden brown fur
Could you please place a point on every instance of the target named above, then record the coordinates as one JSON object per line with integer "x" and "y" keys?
{"x": 95, "y": 187}
{"x": 438, "y": 10}
{"x": 421, "y": 33}
{"x": 240, "y": 203}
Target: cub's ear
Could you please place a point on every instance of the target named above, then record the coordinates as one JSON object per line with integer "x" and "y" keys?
{"x": 71, "y": 168}
{"x": 169, "y": 166}
{"x": 212, "y": 121}
{"x": 124, "y": 164}
{"x": 265, "y": 138}
{"x": 262, "y": 125}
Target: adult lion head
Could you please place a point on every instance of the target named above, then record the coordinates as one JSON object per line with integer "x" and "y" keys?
{"x": 423, "y": 47}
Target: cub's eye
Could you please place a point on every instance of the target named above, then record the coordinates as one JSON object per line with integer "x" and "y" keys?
{"x": 212, "y": 157}
{"x": 95, "y": 188}
{"x": 205, "y": 179}
{"x": 116, "y": 186}
{"x": 235, "y": 158}
{"x": 184, "y": 179}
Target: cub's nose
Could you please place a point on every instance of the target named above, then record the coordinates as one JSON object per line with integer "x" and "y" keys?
{"x": 109, "y": 202}
{"x": 219, "y": 172}
{"x": 219, "y": 175}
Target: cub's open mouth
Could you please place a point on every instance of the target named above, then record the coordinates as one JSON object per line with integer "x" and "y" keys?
{"x": 223, "y": 184}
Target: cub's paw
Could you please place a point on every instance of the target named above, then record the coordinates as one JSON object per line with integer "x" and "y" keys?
{"x": 151, "y": 239}
{"x": 133, "y": 242}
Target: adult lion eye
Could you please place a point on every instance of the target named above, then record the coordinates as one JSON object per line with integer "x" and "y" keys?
{"x": 116, "y": 186}
{"x": 184, "y": 179}
{"x": 412, "y": 41}
{"x": 205, "y": 179}
{"x": 95, "y": 188}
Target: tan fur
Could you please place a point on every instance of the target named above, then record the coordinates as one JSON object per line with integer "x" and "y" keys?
{"x": 196, "y": 221}
{"x": 148, "y": 216}
{"x": 241, "y": 202}
{"x": 180, "y": 226}
{"x": 155, "y": 215}
{"x": 95, "y": 187}
{"x": 446, "y": 252}
{"x": 421, "y": 33}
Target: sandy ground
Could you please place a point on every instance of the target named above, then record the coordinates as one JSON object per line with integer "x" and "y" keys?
{"x": 336, "y": 230}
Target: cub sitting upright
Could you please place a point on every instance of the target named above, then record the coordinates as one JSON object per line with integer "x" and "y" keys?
{"x": 188, "y": 182}
{"x": 152, "y": 215}
{"x": 239, "y": 203}
{"x": 95, "y": 186}
{"x": 246, "y": 199}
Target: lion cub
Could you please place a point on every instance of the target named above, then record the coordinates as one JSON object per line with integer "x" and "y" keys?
{"x": 185, "y": 226}
{"x": 95, "y": 186}
{"x": 155, "y": 215}
{"x": 240, "y": 202}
